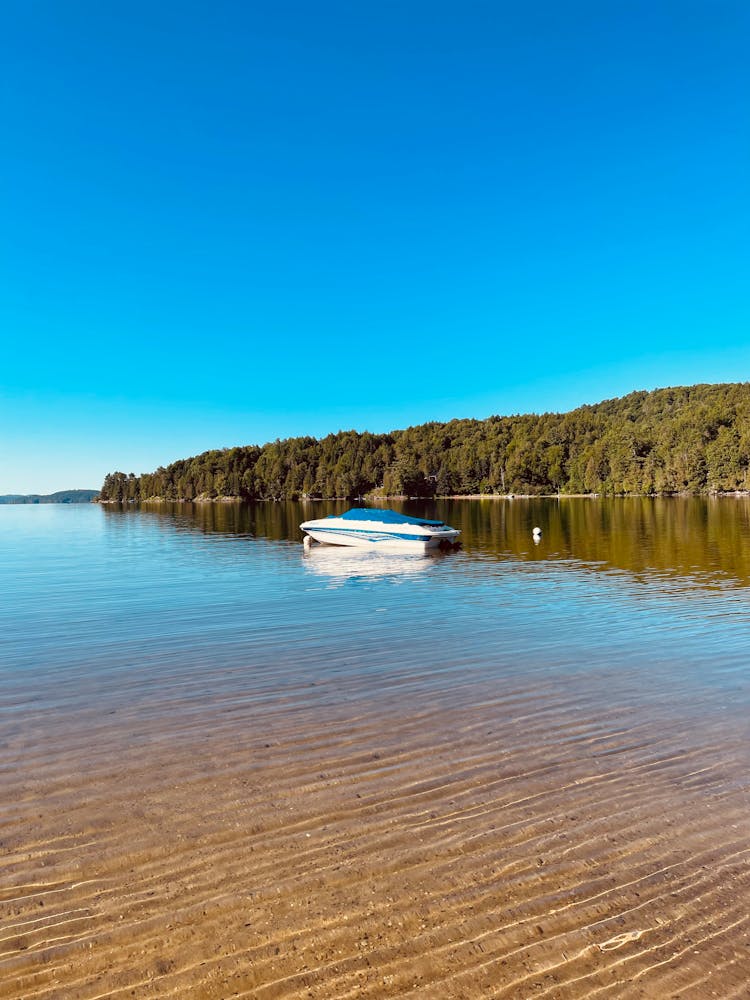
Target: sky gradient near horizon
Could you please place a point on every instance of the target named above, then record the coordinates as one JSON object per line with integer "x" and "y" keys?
{"x": 228, "y": 223}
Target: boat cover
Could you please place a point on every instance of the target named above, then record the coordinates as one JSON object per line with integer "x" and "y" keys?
{"x": 385, "y": 516}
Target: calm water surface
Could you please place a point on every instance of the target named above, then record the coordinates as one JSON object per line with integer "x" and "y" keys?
{"x": 174, "y": 613}
{"x": 229, "y": 767}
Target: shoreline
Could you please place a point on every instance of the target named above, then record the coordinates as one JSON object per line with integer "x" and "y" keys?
{"x": 711, "y": 495}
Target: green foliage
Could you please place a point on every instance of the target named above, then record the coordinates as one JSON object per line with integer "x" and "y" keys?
{"x": 693, "y": 439}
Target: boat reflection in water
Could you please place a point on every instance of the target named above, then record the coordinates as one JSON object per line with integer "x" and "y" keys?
{"x": 341, "y": 563}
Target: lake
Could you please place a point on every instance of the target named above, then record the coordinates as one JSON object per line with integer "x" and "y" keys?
{"x": 233, "y": 767}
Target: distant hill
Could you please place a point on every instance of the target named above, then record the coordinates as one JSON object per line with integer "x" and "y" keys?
{"x": 690, "y": 439}
{"x": 62, "y": 496}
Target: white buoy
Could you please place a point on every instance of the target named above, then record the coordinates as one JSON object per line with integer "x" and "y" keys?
{"x": 307, "y": 542}
{"x": 537, "y": 532}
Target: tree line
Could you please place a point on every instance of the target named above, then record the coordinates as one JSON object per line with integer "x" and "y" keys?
{"x": 693, "y": 439}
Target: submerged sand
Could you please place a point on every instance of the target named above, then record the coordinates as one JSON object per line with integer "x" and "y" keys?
{"x": 513, "y": 843}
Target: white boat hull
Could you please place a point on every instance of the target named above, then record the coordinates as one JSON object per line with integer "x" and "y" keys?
{"x": 379, "y": 540}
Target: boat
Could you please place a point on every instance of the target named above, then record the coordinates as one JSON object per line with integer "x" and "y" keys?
{"x": 369, "y": 527}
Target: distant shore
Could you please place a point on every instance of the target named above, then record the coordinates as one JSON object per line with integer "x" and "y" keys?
{"x": 61, "y": 496}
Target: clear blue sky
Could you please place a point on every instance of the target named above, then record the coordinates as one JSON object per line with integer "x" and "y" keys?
{"x": 228, "y": 222}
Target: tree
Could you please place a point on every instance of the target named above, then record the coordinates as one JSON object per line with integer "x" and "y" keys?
{"x": 689, "y": 439}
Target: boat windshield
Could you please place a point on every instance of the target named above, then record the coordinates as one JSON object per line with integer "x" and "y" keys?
{"x": 386, "y": 517}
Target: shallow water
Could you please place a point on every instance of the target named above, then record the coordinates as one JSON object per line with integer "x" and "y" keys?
{"x": 518, "y": 769}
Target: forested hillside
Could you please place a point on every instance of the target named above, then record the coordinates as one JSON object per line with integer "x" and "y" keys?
{"x": 694, "y": 439}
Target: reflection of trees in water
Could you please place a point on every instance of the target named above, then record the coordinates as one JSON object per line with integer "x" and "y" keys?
{"x": 278, "y": 521}
{"x": 700, "y": 539}
{"x": 695, "y": 537}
